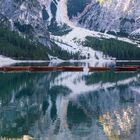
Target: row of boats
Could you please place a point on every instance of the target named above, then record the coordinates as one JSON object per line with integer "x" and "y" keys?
{"x": 67, "y": 68}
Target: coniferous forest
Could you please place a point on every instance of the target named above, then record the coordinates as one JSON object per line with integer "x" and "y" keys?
{"x": 115, "y": 48}
{"x": 15, "y": 46}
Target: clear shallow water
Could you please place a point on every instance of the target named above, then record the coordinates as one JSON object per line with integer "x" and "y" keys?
{"x": 72, "y": 106}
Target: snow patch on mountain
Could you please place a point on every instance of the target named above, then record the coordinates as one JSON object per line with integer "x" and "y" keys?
{"x": 72, "y": 42}
{"x": 62, "y": 13}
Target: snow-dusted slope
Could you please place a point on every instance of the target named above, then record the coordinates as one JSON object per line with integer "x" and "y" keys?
{"x": 73, "y": 40}
{"x": 135, "y": 34}
{"x": 76, "y": 36}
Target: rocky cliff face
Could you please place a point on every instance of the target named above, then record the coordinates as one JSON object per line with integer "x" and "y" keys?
{"x": 4, "y": 22}
{"x": 110, "y": 15}
{"x": 25, "y": 16}
{"x": 31, "y": 17}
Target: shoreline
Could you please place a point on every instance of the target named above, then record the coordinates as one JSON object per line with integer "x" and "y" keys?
{"x": 7, "y": 61}
{"x": 133, "y": 61}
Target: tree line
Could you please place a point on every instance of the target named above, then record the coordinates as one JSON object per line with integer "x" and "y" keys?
{"x": 115, "y": 48}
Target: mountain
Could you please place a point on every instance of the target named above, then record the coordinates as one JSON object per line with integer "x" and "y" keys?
{"x": 64, "y": 26}
{"x": 25, "y": 16}
{"x": 96, "y": 19}
{"x": 119, "y": 16}
{"x": 22, "y": 29}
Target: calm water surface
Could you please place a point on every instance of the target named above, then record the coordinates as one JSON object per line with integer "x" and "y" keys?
{"x": 70, "y": 106}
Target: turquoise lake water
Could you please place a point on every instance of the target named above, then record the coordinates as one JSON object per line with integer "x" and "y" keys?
{"x": 70, "y": 105}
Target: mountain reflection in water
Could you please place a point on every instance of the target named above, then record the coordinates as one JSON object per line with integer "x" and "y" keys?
{"x": 64, "y": 105}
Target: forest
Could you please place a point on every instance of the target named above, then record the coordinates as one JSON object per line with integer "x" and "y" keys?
{"x": 15, "y": 46}
{"x": 115, "y": 48}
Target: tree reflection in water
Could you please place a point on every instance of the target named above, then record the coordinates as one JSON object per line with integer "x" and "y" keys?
{"x": 62, "y": 105}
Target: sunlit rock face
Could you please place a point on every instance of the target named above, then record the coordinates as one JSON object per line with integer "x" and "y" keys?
{"x": 111, "y": 15}
{"x": 25, "y": 17}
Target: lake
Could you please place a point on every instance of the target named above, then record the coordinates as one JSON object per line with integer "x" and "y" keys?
{"x": 70, "y": 105}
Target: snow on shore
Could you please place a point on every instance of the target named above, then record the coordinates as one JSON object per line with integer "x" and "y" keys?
{"x": 4, "y": 61}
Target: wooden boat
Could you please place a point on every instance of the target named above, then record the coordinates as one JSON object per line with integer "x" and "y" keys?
{"x": 138, "y": 67}
{"x": 72, "y": 69}
{"x": 40, "y": 69}
{"x": 100, "y": 69}
{"x": 45, "y": 69}
{"x": 126, "y": 68}
{"x": 1, "y": 69}
{"x": 15, "y": 69}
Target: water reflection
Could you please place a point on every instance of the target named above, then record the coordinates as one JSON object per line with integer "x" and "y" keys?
{"x": 64, "y": 105}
